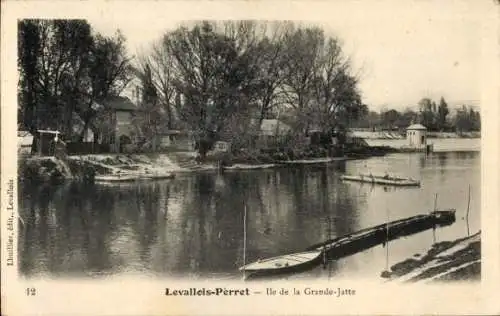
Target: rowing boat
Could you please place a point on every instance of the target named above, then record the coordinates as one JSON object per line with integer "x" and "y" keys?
{"x": 118, "y": 178}
{"x": 284, "y": 264}
{"x": 348, "y": 244}
{"x": 377, "y": 179}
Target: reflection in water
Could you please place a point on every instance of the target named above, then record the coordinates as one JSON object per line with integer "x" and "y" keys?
{"x": 193, "y": 225}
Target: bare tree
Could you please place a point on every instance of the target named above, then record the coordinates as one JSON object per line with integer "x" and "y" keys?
{"x": 216, "y": 80}
{"x": 110, "y": 72}
{"x": 272, "y": 66}
{"x": 53, "y": 63}
{"x": 64, "y": 68}
{"x": 303, "y": 47}
{"x": 160, "y": 63}
{"x": 335, "y": 96}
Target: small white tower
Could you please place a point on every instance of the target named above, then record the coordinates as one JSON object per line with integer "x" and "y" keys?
{"x": 416, "y": 134}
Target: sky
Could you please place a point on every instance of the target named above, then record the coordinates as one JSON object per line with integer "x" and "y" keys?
{"x": 402, "y": 52}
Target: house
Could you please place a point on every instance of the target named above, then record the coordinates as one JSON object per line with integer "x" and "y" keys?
{"x": 416, "y": 135}
{"x": 115, "y": 121}
{"x": 222, "y": 147}
{"x": 272, "y": 132}
{"x": 175, "y": 140}
{"x": 111, "y": 124}
{"x": 24, "y": 142}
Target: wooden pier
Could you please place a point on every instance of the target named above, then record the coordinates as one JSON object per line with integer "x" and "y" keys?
{"x": 384, "y": 180}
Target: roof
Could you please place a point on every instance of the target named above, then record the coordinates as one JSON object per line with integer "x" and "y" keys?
{"x": 23, "y": 134}
{"x": 48, "y": 131}
{"x": 118, "y": 103}
{"x": 416, "y": 127}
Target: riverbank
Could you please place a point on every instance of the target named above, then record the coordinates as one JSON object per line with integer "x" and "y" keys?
{"x": 126, "y": 167}
{"x": 438, "y": 144}
{"x": 161, "y": 165}
{"x": 456, "y": 260}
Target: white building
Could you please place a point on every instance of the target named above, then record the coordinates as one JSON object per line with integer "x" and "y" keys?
{"x": 416, "y": 134}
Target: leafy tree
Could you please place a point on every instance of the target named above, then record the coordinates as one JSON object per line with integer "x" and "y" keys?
{"x": 390, "y": 118}
{"x": 462, "y": 120}
{"x": 476, "y": 120}
{"x": 407, "y": 118}
{"x": 64, "y": 68}
{"x": 442, "y": 114}
{"x": 427, "y": 113}
{"x": 29, "y": 46}
{"x": 53, "y": 63}
{"x": 467, "y": 120}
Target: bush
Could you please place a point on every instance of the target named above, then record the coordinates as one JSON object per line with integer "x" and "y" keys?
{"x": 41, "y": 170}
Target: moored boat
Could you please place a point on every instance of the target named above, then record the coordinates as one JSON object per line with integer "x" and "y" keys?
{"x": 378, "y": 179}
{"x": 160, "y": 176}
{"x": 119, "y": 178}
{"x": 348, "y": 244}
{"x": 113, "y": 178}
{"x": 284, "y": 264}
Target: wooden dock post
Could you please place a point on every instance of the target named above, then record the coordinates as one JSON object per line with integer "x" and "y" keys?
{"x": 387, "y": 244}
{"x": 434, "y": 227}
{"x": 244, "y": 237}
{"x": 467, "y": 214}
{"x": 386, "y": 274}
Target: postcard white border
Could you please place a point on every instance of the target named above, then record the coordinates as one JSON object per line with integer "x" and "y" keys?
{"x": 134, "y": 295}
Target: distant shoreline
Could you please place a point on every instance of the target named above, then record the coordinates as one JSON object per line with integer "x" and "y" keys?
{"x": 167, "y": 165}
{"x": 394, "y": 135}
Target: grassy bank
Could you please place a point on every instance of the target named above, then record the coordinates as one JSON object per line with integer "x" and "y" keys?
{"x": 445, "y": 261}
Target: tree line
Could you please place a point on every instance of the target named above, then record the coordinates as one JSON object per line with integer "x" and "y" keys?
{"x": 64, "y": 68}
{"x": 225, "y": 78}
{"x": 217, "y": 79}
{"x": 436, "y": 117}
{"x": 214, "y": 78}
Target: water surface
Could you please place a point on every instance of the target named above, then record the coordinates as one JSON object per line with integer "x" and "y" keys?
{"x": 192, "y": 226}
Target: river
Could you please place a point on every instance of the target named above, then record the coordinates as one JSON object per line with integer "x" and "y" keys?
{"x": 192, "y": 226}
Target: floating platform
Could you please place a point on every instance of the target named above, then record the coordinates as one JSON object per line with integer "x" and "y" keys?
{"x": 347, "y": 245}
{"x": 116, "y": 178}
{"x": 385, "y": 180}
{"x": 240, "y": 167}
{"x": 311, "y": 161}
